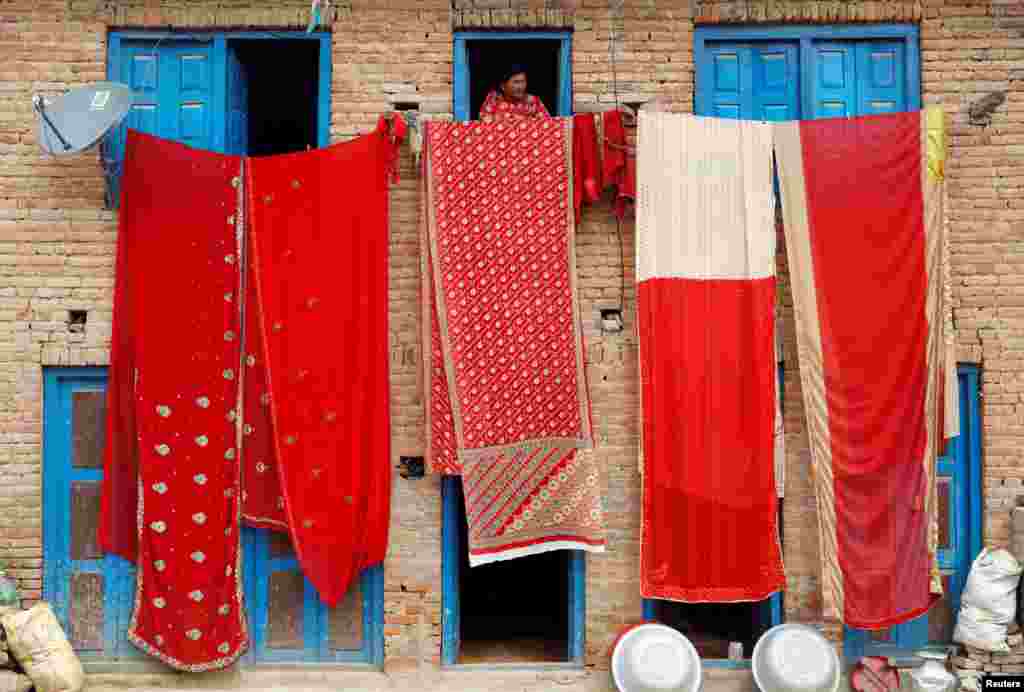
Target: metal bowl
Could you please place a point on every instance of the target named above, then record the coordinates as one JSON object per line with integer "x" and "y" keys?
{"x": 795, "y": 658}
{"x": 655, "y": 658}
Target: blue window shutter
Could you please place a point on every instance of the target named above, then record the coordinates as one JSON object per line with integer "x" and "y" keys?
{"x": 752, "y": 81}
{"x": 460, "y": 79}
{"x": 881, "y": 86}
{"x": 185, "y": 94}
{"x": 727, "y": 86}
{"x": 565, "y": 77}
{"x": 177, "y": 90}
{"x": 805, "y": 72}
{"x": 775, "y": 81}
{"x": 833, "y": 81}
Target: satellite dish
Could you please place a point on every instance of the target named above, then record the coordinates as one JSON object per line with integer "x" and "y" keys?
{"x": 80, "y": 118}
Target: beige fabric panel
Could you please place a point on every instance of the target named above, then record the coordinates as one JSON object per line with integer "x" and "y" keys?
{"x": 789, "y": 158}
{"x": 705, "y": 208}
{"x": 931, "y": 195}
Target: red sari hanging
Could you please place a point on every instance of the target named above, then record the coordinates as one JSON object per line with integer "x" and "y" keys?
{"x": 320, "y": 270}
{"x": 183, "y": 394}
{"x": 176, "y": 382}
{"x": 508, "y": 404}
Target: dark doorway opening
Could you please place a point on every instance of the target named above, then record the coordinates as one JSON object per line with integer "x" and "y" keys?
{"x": 516, "y": 610}
{"x": 711, "y": 626}
{"x": 283, "y": 82}
{"x": 489, "y": 58}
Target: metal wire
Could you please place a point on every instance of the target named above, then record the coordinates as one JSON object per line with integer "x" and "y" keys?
{"x": 618, "y": 221}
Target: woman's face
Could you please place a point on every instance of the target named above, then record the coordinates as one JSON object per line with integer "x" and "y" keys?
{"x": 514, "y": 87}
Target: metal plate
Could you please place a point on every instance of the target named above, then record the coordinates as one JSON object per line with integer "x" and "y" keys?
{"x": 285, "y": 606}
{"x": 81, "y": 117}
{"x": 86, "y": 611}
{"x": 345, "y": 621}
{"x": 85, "y": 519}
{"x": 88, "y": 429}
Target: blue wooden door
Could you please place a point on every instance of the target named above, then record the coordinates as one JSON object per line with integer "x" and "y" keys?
{"x": 752, "y": 81}
{"x": 881, "y": 87}
{"x": 176, "y": 90}
{"x": 91, "y": 593}
{"x": 287, "y": 620}
{"x": 172, "y": 87}
{"x": 858, "y": 78}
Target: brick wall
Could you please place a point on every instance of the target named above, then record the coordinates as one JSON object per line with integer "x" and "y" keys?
{"x": 57, "y": 245}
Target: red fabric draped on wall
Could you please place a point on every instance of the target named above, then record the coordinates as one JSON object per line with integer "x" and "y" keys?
{"x": 319, "y": 240}
{"x": 705, "y": 319}
{"x": 863, "y": 227}
{"x": 308, "y": 394}
{"x": 172, "y": 396}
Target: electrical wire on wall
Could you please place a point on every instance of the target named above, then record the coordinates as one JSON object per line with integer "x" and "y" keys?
{"x": 614, "y": 10}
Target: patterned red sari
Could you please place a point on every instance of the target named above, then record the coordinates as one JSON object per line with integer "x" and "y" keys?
{"x": 497, "y": 108}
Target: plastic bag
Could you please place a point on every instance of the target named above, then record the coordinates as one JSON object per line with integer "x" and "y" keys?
{"x": 989, "y": 601}
{"x": 992, "y": 585}
{"x": 38, "y": 643}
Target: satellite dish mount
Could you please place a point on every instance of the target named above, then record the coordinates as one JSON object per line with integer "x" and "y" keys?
{"x": 80, "y": 119}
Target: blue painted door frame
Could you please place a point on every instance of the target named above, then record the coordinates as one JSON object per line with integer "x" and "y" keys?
{"x": 452, "y": 550}
{"x": 118, "y": 575}
{"x": 452, "y": 514}
{"x": 460, "y": 65}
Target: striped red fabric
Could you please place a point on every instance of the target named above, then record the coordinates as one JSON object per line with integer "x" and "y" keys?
{"x": 861, "y": 230}
{"x": 705, "y": 312}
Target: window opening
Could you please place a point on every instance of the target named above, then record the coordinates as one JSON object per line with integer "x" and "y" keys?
{"x": 283, "y": 84}
{"x": 488, "y": 58}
